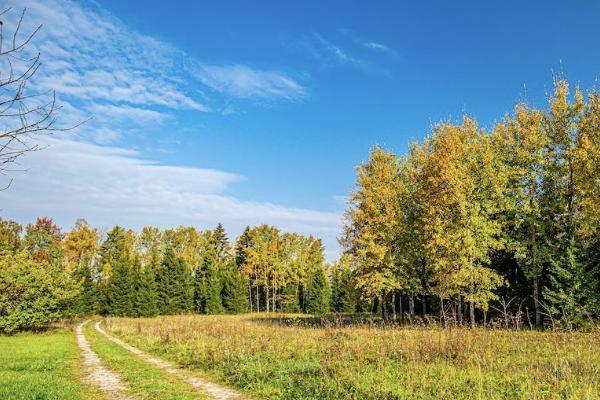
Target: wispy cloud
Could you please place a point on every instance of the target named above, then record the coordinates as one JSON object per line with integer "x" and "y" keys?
{"x": 353, "y": 53}
{"x": 98, "y": 64}
{"x": 243, "y": 81}
{"x": 112, "y": 185}
{"x": 377, "y": 46}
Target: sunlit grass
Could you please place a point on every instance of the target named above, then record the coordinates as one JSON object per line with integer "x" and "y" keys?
{"x": 143, "y": 380}
{"x": 280, "y": 359}
{"x": 42, "y": 366}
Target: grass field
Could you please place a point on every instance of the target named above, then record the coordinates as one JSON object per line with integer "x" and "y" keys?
{"x": 143, "y": 380}
{"x": 286, "y": 358}
{"x": 42, "y": 366}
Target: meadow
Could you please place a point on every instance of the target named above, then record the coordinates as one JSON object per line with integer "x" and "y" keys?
{"x": 42, "y": 365}
{"x": 296, "y": 357}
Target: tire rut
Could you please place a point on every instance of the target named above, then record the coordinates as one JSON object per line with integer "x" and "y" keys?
{"x": 97, "y": 374}
{"x": 215, "y": 391}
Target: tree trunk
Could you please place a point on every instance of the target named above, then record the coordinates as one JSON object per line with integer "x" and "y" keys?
{"x": 400, "y": 309}
{"x": 442, "y": 311}
{"x": 536, "y": 302}
{"x": 460, "y": 311}
{"x": 394, "y": 306}
{"x": 411, "y": 305}
{"x": 267, "y": 297}
{"x": 257, "y": 299}
{"x": 250, "y": 294}
{"x": 274, "y": 297}
{"x": 383, "y": 309}
{"x": 472, "y": 314}
{"x": 423, "y": 305}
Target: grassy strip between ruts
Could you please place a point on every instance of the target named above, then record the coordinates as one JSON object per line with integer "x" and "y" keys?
{"x": 143, "y": 380}
{"x": 42, "y": 366}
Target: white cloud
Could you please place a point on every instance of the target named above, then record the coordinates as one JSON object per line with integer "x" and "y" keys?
{"x": 377, "y": 46}
{"x": 328, "y": 50}
{"x": 243, "y": 81}
{"x": 96, "y": 63}
{"x": 111, "y": 185}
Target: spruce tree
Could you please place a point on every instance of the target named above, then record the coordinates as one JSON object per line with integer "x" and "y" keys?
{"x": 343, "y": 296}
{"x": 87, "y": 302}
{"x": 319, "y": 293}
{"x": 214, "y": 286}
{"x": 235, "y": 299}
{"x": 174, "y": 286}
{"x": 144, "y": 301}
{"x": 290, "y": 299}
{"x": 119, "y": 289}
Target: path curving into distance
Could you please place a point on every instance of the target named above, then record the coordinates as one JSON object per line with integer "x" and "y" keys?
{"x": 211, "y": 389}
{"x": 97, "y": 374}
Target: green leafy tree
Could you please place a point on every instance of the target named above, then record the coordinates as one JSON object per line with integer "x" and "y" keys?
{"x": 372, "y": 225}
{"x": 33, "y": 293}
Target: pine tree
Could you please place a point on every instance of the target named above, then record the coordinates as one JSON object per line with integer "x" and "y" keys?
{"x": 145, "y": 298}
{"x": 174, "y": 286}
{"x": 343, "y": 293}
{"x": 117, "y": 283}
{"x": 120, "y": 289}
{"x": 214, "y": 286}
{"x": 319, "y": 293}
{"x": 566, "y": 273}
{"x": 88, "y": 300}
{"x": 290, "y": 302}
{"x": 235, "y": 298}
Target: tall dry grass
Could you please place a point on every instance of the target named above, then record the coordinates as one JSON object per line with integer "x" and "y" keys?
{"x": 285, "y": 358}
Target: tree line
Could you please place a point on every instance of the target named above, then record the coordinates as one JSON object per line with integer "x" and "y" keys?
{"x": 46, "y": 274}
{"x": 470, "y": 220}
{"x": 498, "y": 226}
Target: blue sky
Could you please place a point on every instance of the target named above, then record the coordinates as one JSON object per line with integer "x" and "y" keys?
{"x": 247, "y": 112}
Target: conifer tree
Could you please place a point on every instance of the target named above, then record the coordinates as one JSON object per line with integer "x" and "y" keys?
{"x": 234, "y": 295}
{"x": 145, "y": 298}
{"x": 290, "y": 302}
{"x": 319, "y": 293}
{"x": 343, "y": 293}
{"x": 120, "y": 289}
{"x": 214, "y": 285}
{"x": 566, "y": 274}
{"x": 174, "y": 286}
{"x": 116, "y": 283}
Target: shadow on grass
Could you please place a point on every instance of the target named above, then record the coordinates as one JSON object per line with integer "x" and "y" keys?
{"x": 331, "y": 320}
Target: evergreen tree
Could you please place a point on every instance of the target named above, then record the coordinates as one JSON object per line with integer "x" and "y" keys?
{"x": 319, "y": 293}
{"x": 235, "y": 299}
{"x": 214, "y": 285}
{"x": 114, "y": 254}
{"x": 290, "y": 301}
{"x": 174, "y": 286}
{"x": 145, "y": 298}
{"x": 566, "y": 273}
{"x": 120, "y": 289}
{"x": 88, "y": 300}
{"x": 343, "y": 293}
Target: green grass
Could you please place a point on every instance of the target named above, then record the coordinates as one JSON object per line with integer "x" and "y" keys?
{"x": 42, "y": 366}
{"x": 143, "y": 380}
{"x": 278, "y": 358}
